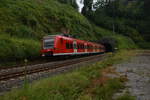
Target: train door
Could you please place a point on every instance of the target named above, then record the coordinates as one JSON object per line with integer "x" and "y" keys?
{"x": 75, "y": 46}
{"x": 94, "y": 48}
{"x": 85, "y": 47}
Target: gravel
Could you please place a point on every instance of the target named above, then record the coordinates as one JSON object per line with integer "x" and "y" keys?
{"x": 137, "y": 70}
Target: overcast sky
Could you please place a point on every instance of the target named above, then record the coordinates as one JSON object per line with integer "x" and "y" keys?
{"x": 81, "y": 5}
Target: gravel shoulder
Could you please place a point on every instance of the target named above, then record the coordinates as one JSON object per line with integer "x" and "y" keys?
{"x": 137, "y": 71}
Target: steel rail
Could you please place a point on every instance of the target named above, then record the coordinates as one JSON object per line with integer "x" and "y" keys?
{"x": 7, "y": 76}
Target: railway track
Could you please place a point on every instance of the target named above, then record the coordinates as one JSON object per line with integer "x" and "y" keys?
{"x": 36, "y": 61}
{"x": 28, "y": 70}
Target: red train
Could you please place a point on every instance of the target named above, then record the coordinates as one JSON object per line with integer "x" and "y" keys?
{"x": 55, "y": 45}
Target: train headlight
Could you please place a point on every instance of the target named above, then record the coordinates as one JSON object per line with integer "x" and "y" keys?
{"x": 43, "y": 55}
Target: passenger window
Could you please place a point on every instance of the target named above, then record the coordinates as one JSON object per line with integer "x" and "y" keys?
{"x": 78, "y": 46}
{"x": 71, "y": 46}
{"x": 67, "y": 45}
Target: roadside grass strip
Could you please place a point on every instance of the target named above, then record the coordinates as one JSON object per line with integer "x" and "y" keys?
{"x": 126, "y": 96}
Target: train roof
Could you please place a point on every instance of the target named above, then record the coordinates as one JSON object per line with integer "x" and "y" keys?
{"x": 68, "y": 37}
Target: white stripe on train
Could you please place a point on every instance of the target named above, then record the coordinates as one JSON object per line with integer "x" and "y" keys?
{"x": 58, "y": 54}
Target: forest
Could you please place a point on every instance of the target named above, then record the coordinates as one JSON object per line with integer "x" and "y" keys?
{"x": 127, "y": 17}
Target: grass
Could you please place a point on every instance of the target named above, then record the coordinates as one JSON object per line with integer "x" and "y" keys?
{"x": 104, "y": 92}
{"x": 126, "y": 96}
{"x": 73, "y": 85}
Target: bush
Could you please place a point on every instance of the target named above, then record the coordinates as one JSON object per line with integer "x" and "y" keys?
{"x": 124, "y": 42}
{"x": 14, "y": 48}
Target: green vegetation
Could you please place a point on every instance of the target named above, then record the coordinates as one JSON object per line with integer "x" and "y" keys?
{"x": 17, "y": 48}
{"x": 24, "y": 22}
{"x": 124, "y": 42}
{"x": 104, "y": 92}
{"x": 34, "y": 19}
{"x": 125, "y": 17}
{"x": 69, "y": 2}
{"x": 73, "y": 85}
{"x": 126, "y": 96}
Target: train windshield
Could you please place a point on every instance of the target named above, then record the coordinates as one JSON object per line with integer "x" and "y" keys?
{"x": 48, "y": 43}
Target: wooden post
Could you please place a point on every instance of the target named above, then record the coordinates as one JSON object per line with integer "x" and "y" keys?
{"x": 25, "y": 73}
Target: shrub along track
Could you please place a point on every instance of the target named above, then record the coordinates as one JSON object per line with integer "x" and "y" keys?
{"x": 9, "y": 75}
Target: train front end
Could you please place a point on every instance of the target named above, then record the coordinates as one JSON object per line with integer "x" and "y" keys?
{"x": 48, "y": 45}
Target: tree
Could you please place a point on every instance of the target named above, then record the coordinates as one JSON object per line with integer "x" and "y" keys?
{"x": 146, "y": 7}
{"x": 87, "y": 9}
{"x": 70, "y": 2}
{"x": 146, "y": 24}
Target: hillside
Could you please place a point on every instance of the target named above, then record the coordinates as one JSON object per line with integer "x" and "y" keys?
{"x": 24, "y": 23}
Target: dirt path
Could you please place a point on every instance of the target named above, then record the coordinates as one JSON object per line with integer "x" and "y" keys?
{"x": 137, "y": 71}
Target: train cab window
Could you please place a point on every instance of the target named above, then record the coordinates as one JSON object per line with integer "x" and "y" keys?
{"x": 48, "y": 43}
